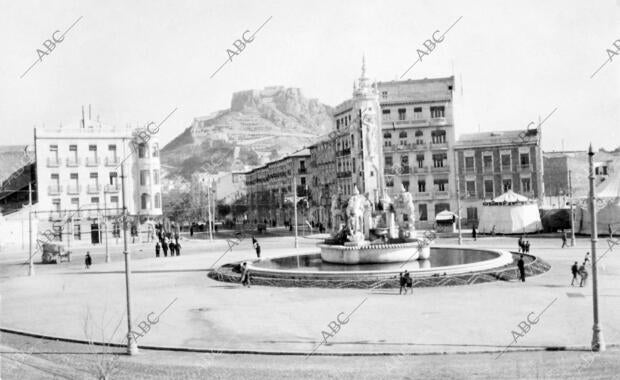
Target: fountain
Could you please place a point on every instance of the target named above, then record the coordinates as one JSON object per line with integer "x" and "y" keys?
{"x": 374, "y": 238}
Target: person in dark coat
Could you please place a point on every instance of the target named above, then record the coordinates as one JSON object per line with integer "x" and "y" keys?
{"x": 172, "y": 247}
{"x": 583, "y": 272}
{"x": 257, "y": 248}
{"x": 473, "y": 232}
{"x": 157, "y": 249}
{"x": 521, "y": 248}
{"x": 245, "y": 275}
{"x": 178, "y": 248}
{"x": 191, "y": 230}
{"x": 527, "y": 246}
{"x": 164, "y": 247}
{"x": 521, "y": 266}
{"x": 88, "y": 260}
{"x": 575, "y": 271}
{"x": 409, "y": 282}
{"x": 403, "y": 282}
{"x": 564, "y": 244}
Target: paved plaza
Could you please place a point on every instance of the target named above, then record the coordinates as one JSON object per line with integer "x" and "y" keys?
{"x": 198, "y": 313}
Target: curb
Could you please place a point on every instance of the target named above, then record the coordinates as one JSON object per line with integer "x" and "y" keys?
{"x": 297, "y": 353}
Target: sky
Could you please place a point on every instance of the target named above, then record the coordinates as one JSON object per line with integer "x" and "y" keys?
{"x": 137, "y": 61}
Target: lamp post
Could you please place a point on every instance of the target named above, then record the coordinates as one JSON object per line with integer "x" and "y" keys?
{"x": 132, "y": 345}
{"x": 295, "y": 208}
{"x": 209, "y": 211}
{"x": 30, "y": 260}
{"x": 572, "y": 211}
{"x": 458, "y": 197}
{"x": 598, "y": 343}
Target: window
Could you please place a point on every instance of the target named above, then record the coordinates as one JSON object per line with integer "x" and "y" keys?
{"x": 505, "y": 157}
{"x": 469, "y": 164}
{"x": 487, "y": 161}
{"x": 155, "y": 150}
{"x": 437, "y": 111}
{"x": 92, "y": 149}
{"x": 386, "y": 115}
{"x": 419, "y": 138}
{"x": 55, "y": 181}
{"x": 144, "y": 177}
{"x": 113, "y": 178}
{"x": 384, "y": 94}
{"x": 420, "y": 159}
{"x": 525, "y": 185}
{"x": 95, "y": 201}
{"x": 144, "y": 201}
{"x": 438, "y": 137}
{"x": 488, "y": 187}
{"x": 156, "y": 177}
{"x": 56, "y": 204}
{"x": 402, "y": 135}
{"x": 112, "y": 149}
{"x": 402, "y": 114}
{"x": 417, "y": 113}
{"x": 404, "y": 160}
{"x": 439, "y": 207}
{"x": 406, "y": 185}
{"x": 441, "y": 184}
{"x": 141, "y": 150}
{"x": 389, "y": 181}
{"x": 73, "y": 154}
{"x": 157, "y": 200}
{"x": 389, "y": 161}
{"x": 421, "y": 186}
{"x": 387, "y": 139}
{"x": 472, "y": 214}
{"x": 439, "y": 160}
{"x": 77, "y": 231}
{"x": 525, "y": 160}
{"x": 422, "y": 212}
{"x": 470, "y": 188}
{"x": 506, "y": 184}
{"x": 75, "y": 203}
{"x": 54, "y": 152}
{"x": 73, "y": 181}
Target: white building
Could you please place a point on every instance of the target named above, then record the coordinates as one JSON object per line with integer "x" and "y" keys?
{"x": 79, "y": 168}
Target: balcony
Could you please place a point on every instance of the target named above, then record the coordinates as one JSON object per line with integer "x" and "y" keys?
{"x": 439, "y": 145}
{"x": 54, "y": 190}
{"x": 488, "y": 195}
{"x": 487, "y": 169}
{"x": 53, "y": 162}
{"x": 93, "y": 189}
{"x": 422, "y": 195}
{"x": 440, "y": 169}
{"x": 438, "y": 121}
{"x": 470, "y": 170}
{"x": 302, "y": 171}
{"x": 73, "y": 189}
{"x": 470, "y": 195}
{"x": 506, "y": 168}
{"x": 404, "y": 170}
{"x": 422, "y": 170}
{"x": 92, "y": 161}
{"x": 441, "y": 194}
{"x": 115, "y": 188}
{"x": 525, "y": 167}
{"x": 343, "y": 175}
{"x": 112, "y": 161}
{"x": 73, "y": 161}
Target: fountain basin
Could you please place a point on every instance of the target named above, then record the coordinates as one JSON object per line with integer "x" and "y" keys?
{"x": 374, "y": 253}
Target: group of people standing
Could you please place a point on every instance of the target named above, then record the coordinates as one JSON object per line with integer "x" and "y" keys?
{"x": 165, "y": 244}
{"x": 580, "y": 271}
{"x": 524, "y": 245}
{"x": 405, "y": 282}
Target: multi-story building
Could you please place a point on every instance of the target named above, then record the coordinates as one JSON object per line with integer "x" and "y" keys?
{"x": 491, "y": 163}
{"x": 557, "y": 166}
{"x": 322, "y": 180}
{"x": 418, "y": 142}
{"x": 270, "y": 189}
{"x": 79, "y": 174}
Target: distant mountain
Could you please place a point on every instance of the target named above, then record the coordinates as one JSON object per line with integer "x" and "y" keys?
{"x": 260, "y": 126}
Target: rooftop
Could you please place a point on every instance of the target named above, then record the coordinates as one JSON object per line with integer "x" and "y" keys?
{"x": 497, "y": 138}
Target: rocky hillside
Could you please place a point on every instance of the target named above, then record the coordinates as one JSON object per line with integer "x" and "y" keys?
{"x": 260, "y": 126}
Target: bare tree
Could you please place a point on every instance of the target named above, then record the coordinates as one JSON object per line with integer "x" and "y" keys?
{"x": 106, "y": 364}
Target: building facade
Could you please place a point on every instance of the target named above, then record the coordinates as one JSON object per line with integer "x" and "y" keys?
{"x": 418, "y": 143}
{"x": 270, "y": 190}
{"x": 491, "y": 163}
{"x": 78, "y": 171}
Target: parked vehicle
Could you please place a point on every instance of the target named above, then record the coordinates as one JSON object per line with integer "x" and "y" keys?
{"x": 54, "y": 253}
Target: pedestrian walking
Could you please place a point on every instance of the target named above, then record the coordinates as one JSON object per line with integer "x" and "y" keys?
{"x": 88, "y": 260}
{"x": 403, "y": 282}
{"x": 164, "y": 246}
{"x": 134, "y": 233}
{"x": 191, "y": 230}
{"x": 256, "y": 247}
{"x": 473, "y": 232}
{"x": 521, "y": 266}
{"x": 521, "y": 244}
{"x": 245, "y": 275}
{"x": 409, "y": 282}
{"x": 178, "y": 247}
{"x": 583, "y": 272}
{"x": 157, "y": 249}
{"x": 527, "y": 246}
{"x": 586, "y": 260}
{"x": 575, "y": 271}
{"x": 172, "y": 247}
{"x": 564, "y": 244}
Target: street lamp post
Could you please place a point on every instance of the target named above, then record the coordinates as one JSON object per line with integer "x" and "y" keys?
{"x": 209, "y": 211}
{"x": 132, "y": 345}
{"x": 295, "y": 208}
{"x": 458, "y": 197}
{"x": 105, "y": 226}
{"x": 572, "y": 211}
{"x": 598, "y": 343}
{"x": 30, "y": 260}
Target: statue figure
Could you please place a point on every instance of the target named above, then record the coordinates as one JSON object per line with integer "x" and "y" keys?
{"x": 355, "y": 216}
{"x": 404, "y": 206}
{"x": 387, "y": 206}
{"x": 368, "y": 221}
{"x": 335, "y": 209}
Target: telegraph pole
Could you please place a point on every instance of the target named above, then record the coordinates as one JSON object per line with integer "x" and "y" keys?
{"x": 572, "y": 211}
{"x": 295, "y": 207}
{"x": 132, "y": 345}
{"x": 598, "y": 343}
{"x": 30, "y": 260}
{"x": 458, "y": 197}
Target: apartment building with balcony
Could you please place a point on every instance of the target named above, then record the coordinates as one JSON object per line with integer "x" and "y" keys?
{"x": 418, "y": 143}
{"x": 79, "y": 174}
{"x": 491, "y": 163}
{"x": 323, "y": 180}
{"x": 270, "y": 189}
